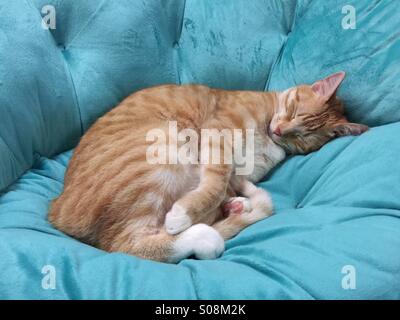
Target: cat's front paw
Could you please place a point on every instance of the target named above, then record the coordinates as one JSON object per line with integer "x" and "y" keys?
{"x": 177, "y": 220}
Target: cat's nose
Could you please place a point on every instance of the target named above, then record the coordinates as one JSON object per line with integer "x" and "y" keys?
{"x": 278, "y": 131}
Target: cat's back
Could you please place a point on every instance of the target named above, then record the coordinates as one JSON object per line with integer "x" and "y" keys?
{"x": 109, "y": 168}
{"x": 188, "y": 104}
{"x": 127, "y": 124}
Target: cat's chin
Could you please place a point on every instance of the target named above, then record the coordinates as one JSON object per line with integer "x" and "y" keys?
{"x": 280, "y": 142}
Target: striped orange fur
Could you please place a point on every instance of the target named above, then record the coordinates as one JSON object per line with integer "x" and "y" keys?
{"x": 115, "y": 200}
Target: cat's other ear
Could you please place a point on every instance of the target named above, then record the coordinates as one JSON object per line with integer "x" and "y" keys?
{"x": 327, "y": 87}
{"x": 348, "y": 129}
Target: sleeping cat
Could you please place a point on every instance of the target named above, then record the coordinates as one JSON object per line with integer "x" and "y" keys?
{"x": 116, "y": 200}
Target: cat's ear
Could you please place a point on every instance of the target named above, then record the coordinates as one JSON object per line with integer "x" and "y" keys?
{"x": 348, "y": 129}
{"x": 325, "y": 88}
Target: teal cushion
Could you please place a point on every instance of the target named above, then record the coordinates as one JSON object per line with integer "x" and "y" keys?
{"x": 38, "y": 109}
{"x": 337, "y": 207}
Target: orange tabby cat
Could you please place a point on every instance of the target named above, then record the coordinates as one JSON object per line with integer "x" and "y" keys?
{"x": 116, "y": 200}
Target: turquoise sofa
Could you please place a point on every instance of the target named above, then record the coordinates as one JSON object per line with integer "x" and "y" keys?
{"x": 336, "y": 231}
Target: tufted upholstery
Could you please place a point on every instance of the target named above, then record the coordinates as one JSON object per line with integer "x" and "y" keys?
{"x": 336, "y": 207}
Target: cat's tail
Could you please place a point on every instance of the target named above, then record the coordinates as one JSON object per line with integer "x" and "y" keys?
{"x": 200, "y": 241}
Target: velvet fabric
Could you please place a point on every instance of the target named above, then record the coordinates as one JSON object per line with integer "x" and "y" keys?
{"x": 336, "y": 209}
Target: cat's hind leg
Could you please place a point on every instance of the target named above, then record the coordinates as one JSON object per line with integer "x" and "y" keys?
{"x": 240, "y": 212}
{"x": 199, "y": 240}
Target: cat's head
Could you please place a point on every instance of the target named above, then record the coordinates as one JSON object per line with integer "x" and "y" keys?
{"x": 309, "y": 116}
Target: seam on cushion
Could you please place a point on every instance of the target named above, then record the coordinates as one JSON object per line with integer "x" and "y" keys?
{"x": 18, "y": 162}
{"x": 75, "y": 95}
{"x": 11, "y": 152}
{"x": 176, "y": 61}
{"x": 177, "y": 48}
{"x": 296, "y": 9}
{"x": 277, "y": 60}
{"x": 282, "y": 49}
{"x": 195, "y": 290}
{"x": 179, "y": 33}
{"x": 86, "y": 24}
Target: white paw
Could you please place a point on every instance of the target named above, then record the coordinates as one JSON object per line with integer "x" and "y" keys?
{"x": 210, "y": 244}
{"x": 200, "y": 240}
{"x": 177, "y": 220}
